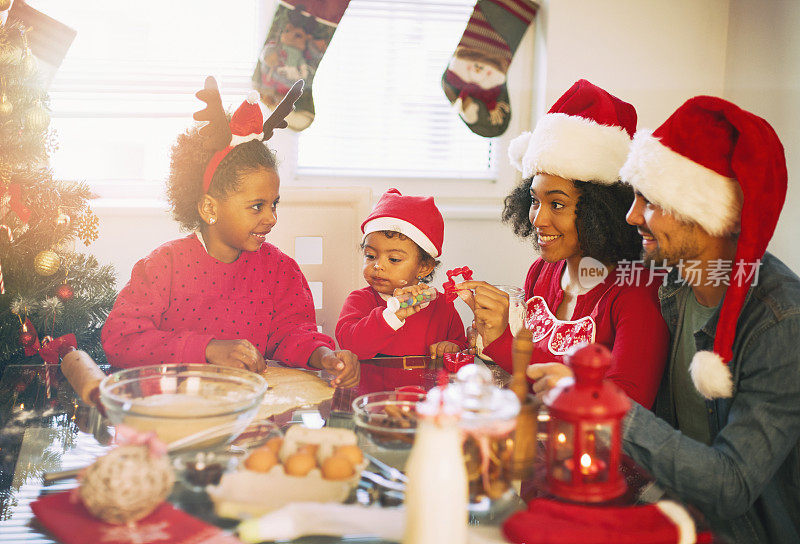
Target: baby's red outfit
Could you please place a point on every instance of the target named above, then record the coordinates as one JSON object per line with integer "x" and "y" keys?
{"x": 179, "y": 298}
{"x": 363, "y": 330}
{"x": 627, "y": 320}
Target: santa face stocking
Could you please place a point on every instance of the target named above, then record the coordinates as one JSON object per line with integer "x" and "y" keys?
{"x": 297, "y": 39}
{"x": 475, "y": 79}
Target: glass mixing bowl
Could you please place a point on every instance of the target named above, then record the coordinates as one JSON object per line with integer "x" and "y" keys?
{"x": 176, "y": 401}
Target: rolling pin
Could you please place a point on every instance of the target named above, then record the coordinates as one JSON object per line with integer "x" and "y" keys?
{"x": 83, "y": 375}
{"x": 523, "y": 456}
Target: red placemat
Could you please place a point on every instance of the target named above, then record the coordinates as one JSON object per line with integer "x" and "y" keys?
{"x": 71, "y": 523}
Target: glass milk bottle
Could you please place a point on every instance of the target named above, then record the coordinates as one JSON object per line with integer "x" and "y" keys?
{"x": 516, "y": 314}
{"x": 436, "y": 493}
{"x": 488, "y": 419}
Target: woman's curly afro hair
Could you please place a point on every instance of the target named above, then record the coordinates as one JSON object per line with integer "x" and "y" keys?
{"x": 599, "y": 217}
{"x": 188, "y": 163}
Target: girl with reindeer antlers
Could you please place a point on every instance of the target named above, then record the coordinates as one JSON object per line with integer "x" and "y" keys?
{"x": 222, "y": 295}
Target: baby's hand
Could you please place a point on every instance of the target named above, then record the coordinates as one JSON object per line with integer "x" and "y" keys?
{"x": 235, "y": 353}
{"x": 440, "y": 348}
{"x": 545, "y": 376}
{"x": 403, "y": 313}
{"x": 341, "y": 363}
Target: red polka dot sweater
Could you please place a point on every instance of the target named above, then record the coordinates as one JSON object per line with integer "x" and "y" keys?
{"x": 179, "y": 298}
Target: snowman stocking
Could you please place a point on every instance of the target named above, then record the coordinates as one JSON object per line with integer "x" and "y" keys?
{"x": 297, "y": 39}
{"x": 475, "y": 79}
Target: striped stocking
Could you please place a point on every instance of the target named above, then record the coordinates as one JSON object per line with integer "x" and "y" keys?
{"x": 475, "y": 79}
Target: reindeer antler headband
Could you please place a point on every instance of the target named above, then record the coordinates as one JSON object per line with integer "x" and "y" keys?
{"x": 245, "y": 125}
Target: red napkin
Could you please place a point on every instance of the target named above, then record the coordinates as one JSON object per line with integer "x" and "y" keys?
{"x": 553, "y": 522}
{"x": 71, "y": 523}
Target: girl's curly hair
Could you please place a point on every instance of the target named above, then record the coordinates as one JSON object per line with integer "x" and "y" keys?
{"x": 188, "y": 163}
{"x": 600, "y": 213}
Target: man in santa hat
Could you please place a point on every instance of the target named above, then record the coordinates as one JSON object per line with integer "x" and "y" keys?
{"x": 725, "y": 433}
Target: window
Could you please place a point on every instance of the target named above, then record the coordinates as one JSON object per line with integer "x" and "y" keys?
{"x": 380, "y": 106}
{"x": 126, "y": 88}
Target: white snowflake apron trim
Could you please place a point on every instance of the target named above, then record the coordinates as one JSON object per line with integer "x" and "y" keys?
{"x": 563, "y": 335}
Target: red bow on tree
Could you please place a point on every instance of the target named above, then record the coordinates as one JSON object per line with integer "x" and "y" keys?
{"x": 17, "y": 204}
{"x": 50, "y": 350}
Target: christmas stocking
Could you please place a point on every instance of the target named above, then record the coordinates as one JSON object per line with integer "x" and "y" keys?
{"x": 475, "y": 79}
{"x": 300, "y": 33}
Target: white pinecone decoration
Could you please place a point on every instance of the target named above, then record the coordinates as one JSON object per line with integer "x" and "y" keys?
{"x": 126, "y": 484}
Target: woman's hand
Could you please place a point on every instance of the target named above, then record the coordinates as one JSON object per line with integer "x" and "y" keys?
{"x": 440, "y": 348}
{"x": 403, "y": 313}
{"x": 343, "y": 364}
{"x": 235, "y": 353}
{"x": 490, "y": 306}
{"x": 545, "y": 376}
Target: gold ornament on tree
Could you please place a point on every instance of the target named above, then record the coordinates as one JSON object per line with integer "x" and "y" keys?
{"x": 29, "y": 64}
{"x": 5, "y": 4}
{"x": 46, "y": 263}
{"x": 6, "y": 107}
{"x": 86, "y": 227}
{"x": 37, "y": 118}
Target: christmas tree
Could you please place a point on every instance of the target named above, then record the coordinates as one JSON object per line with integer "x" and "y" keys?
{"x": 47, "y": 289}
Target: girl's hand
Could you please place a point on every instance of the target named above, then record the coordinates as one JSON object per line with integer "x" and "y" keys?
{"x": 235, "y": 353}
{"x": 343, "y": 364}
{"x": 490, "y": 306}
{"x": 403, "y": 313}
{"x": 545, "y": 376}
{"x": 440, "y": 348}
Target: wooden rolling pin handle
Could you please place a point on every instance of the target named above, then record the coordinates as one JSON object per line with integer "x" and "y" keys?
{"x": 83, "y": 375}
{"x": 521, "y": 350}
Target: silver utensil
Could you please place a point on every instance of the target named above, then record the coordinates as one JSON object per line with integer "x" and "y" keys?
{"x": 377, "y": 479}
{"x": 391, "y": 472}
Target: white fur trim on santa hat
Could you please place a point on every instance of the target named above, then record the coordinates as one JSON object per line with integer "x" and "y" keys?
{"x": 711, "y": 376}
{"x": 682, "y": 187}
{"x": 517, "y": 148}
{"x": 236, "y": 139}
{"x": 574, "y": 147}
{"x": 403, "y": 227}
{"x": 678, "y": 515}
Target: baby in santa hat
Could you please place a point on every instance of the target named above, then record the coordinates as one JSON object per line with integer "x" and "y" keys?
{"x": 403, "y": 236}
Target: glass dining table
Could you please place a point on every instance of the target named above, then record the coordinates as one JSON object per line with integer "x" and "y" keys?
{"x": 45, "y": 428}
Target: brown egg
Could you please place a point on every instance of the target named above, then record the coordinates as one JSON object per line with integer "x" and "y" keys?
{"x": 337, "y": 467}
{"x": 352, "y": 452}
{"x": 261, "y": 460}
{"x": 274, "y": 444}
{"x": 299, "y": 464}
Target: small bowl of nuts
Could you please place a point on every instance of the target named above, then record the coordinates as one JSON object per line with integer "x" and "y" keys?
{"x": 386, "y": 424}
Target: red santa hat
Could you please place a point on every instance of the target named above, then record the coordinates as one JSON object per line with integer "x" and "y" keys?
{"x": 585, "y": 136}
{"x": 247, "y": 123}
{"x": 414, "y": 216}
{"x": 714, "y": 164}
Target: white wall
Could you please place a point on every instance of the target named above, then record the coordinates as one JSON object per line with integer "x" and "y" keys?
{"x": 763, "y": 76}
{"x": 654, "y": 54}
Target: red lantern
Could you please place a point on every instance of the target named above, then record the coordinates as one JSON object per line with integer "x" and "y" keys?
{"x": 584, "y": 436}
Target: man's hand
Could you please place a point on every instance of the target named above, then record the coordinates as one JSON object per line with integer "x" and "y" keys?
{"x": 545, "y": 376}
{"x": 235, "y": 353}
{"x": 490, "y": 306}
{"x": 440, "y": 348}
{"x": 343, "y": 364}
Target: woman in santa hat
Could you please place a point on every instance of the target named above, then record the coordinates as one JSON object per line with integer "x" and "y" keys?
{"x": 584, "y": 286}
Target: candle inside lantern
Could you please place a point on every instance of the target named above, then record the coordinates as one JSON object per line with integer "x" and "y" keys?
{"x": 589, "y": 467}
